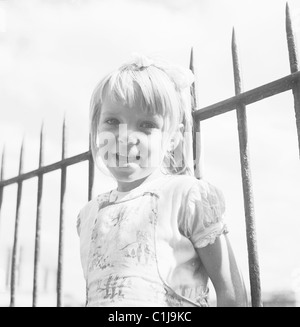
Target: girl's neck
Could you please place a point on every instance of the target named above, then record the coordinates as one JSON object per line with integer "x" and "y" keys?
{"x": 128, "y": 186}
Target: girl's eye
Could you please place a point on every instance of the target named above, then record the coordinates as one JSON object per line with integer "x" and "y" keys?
{"x": 148, "y": 125}
{"x": 112, "y": 121}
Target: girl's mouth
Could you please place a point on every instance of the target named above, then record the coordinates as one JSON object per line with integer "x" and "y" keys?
{"x": 126, "y": 159}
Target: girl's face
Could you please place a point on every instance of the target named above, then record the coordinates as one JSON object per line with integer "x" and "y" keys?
{"x": 132, "y": 142}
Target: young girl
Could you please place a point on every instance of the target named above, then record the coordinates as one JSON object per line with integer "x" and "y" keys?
{"x": 159, "y": 236}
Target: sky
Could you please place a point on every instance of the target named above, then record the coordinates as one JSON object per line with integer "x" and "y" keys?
{"x": 52, "y": 54}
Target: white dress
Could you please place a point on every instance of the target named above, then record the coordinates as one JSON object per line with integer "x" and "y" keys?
{"x": 138, "y": 248}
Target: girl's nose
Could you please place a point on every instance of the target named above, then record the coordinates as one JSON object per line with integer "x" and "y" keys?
{"x": 125, "y": 144}
{"x": 127, "y": 136}
{"x": 131, "y": 139}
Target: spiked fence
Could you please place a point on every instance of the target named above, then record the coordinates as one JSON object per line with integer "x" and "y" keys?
{"x": 237, "y": 102}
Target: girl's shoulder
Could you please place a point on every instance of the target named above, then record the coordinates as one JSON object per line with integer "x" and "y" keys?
{"x": 94, "y": 204}
{"x": 89, "y": 210}
{"x": 193, "y": 190}
{"x": 188, "y": 183}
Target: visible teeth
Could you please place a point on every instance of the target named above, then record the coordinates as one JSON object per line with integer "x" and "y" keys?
{"x": 118, "y": 156}
{"x": 126, "y": 158}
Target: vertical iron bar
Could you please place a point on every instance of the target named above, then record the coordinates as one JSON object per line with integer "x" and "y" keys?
{"x": 19, "y": 265}
{"x": 197, "y": 142}
{"x": 1, "y": 191}
{"x": 61, "y": 219}
{"x": 247, "y": 183}
{"x": 8, "y": 267}
{"x": 294, "y": 66}
{"x": 1, "y": 179}
{"x": 91, "y": 173}
{"x": 16, "y": 233}
{"x": 38, "y": 221}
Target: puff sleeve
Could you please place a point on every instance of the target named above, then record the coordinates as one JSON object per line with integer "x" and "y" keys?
{"x": 204, "y": 215}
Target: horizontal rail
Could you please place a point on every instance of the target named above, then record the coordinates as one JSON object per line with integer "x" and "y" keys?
{"x": 278, "y": 86}
{"x": 46, "y": 169}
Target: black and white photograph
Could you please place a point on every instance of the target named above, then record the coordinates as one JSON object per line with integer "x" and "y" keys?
{"x": 149, "y": 155}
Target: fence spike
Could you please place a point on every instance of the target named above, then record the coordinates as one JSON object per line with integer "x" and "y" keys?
{"x": 197, "y": 142}
{"x": 247, "y": 183}
{"x": 41, "y": 155}
{"x": 2, "y": 163}
{"x": 21, "y": 158}
{"x": 236, "y": 65}
{"x": 294, "y": 67}
{"x": 292, "y": 47}
{"x": 64, "y": 140}
{"x": 192, "y": 68}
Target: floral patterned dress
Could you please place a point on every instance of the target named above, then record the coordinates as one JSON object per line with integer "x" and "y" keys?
{"x": 135, "y": 254}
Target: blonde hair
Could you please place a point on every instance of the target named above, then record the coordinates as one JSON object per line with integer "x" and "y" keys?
{"x": 154, "y": 87}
